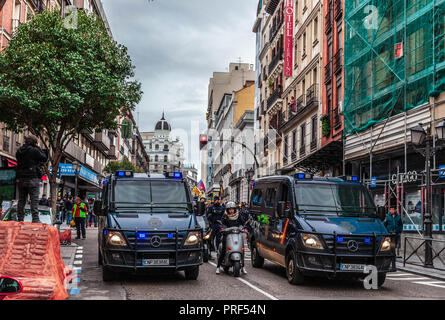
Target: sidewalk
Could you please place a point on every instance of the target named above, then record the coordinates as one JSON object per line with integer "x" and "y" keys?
{"x": 420, "y": 270}
{"x": 68, "y": 251}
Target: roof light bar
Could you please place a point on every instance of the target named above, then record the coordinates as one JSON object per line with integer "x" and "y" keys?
{"x": 303, "y": 176}
{"x": 124, "y": 174}
{"x": 173, "y": 175}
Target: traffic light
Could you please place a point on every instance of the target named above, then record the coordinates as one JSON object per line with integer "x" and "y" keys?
{"x": 202, "y": 140}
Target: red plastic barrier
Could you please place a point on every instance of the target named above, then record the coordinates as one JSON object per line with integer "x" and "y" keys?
{"x": 65, "y": 237}
{"x": 30, "y": 252}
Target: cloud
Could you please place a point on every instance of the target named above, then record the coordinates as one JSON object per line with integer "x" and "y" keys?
{"x": 176, "y": 45}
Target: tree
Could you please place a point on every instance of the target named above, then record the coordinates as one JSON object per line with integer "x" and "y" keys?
{"x": 57, "y": 82}
{"x": 124, "y": 164}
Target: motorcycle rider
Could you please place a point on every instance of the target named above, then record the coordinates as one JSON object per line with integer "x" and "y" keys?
{"x": 215, "y": 213}
{"x": 230, "y": 219}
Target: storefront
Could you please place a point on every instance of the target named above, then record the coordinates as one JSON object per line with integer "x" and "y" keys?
{"x": 390, "y": 183}
{"x": 88, "y": 183}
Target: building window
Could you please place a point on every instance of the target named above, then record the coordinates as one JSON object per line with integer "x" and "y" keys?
{"x": 314, "y": 132}
{"x": 156, "y": 158}
{"x": 165, "y": 158}
{"x": 302, "y": 139}
{"x": 339, "y": 37}
{"x": 315, "y": 25}
{"x": 157, "y": 147}
{"x": 303, "y": 55}
{"x": 6, "y": 140}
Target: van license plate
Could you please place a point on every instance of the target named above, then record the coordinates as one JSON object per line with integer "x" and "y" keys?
{"x": 155, "y": 262}
{"x": 352, "y": 267}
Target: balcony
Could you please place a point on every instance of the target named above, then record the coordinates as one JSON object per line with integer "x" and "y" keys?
{"x": 338, "y": 61}
{"x": 313, "y": 144}
{"x": 276, "y": 94}
{"x": 285, "y": 159}
{"x": 112, "y": 154}
{"x": 275, "y": 60}
{"x": 101, "y": 141}
{"x": 266, "y": 143}
{"x": 303, "y": 150}
{"x": 75, "y": 151}
{"x": 328, "y": 72}
{"x": 88, "y": 134}
{"x": 98, "y": 167}
{"x": 312, "y": 95}
{"x": 276, "y": 27}
{"x": 294, "y": 155}
{"x": 338, "y": 9}
{"x": 328, "y": 22}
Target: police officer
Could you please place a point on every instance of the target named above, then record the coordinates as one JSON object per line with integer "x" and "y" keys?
{"x": 29, "y": 159}
{"x": 215, "y": 213}
{"x": 79, "y": 216}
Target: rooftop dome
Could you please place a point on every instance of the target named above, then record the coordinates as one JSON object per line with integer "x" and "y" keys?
{"x": 163, "y": 124}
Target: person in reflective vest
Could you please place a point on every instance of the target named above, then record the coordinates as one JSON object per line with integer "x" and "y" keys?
{"x": 79, "y": 216}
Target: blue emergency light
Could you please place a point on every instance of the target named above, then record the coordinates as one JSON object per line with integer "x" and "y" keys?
{"x": 174, "y": 175}
{"x": 124, "y": 174}
{"x": 170, "y": 235}
{"x": 350, "y": 178}
{"x": 303, "y": 176}
{"x": 339, "y": 239}
{"x": 142, "y": 235}
{"x": 367, "y": 240}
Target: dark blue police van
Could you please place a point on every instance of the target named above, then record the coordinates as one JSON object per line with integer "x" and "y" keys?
{"x": 316, "y": 226}
{"x": 147, "y": 223}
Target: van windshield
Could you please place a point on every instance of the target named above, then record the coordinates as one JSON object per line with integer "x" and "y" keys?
{"x": 153, "y": 196}
{"x": 334, "y": 199}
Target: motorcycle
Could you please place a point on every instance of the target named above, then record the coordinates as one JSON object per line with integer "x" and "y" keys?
{"x": 234, "y": 256}
{"x": 207, "y": 231}
{"x": 9, "y": 286}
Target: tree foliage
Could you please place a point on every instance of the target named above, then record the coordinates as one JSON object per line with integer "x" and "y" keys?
{"x": 124, "y": 164}
{"x": 56, "y": 82}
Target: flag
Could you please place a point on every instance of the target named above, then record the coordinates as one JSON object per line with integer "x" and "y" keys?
{"x": 201, "y": 186}
{"x": 196, "y": 191}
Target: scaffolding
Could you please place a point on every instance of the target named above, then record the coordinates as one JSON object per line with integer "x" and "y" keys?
{"x": 394, "y": 58}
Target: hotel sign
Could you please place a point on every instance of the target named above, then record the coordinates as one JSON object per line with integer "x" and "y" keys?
{"x": 288, "y": 37}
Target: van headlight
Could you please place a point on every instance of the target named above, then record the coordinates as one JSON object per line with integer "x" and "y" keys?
{"x": 386, "y": 244}
{"x": 116, "y": 239}
{"x": 192, "y": 239}
{"x": 207, "y": 236}
{"x": 311, "y": 241}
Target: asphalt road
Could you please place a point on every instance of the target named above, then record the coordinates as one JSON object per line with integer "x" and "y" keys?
{"x": 259, "y": 284}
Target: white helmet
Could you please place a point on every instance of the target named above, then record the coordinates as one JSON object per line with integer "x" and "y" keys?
{"x": 230, "y": 205}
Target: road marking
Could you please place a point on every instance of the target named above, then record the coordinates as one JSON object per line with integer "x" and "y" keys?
{"x": 439, "y": 284}
{"x": 77, "y": 262}
{"x": 78, "y": 256}
{"x": 253, "y": 286}
{"x": 399, "y": 274}
{"x": 408, "y": 279}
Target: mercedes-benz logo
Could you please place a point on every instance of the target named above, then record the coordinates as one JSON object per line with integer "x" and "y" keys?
{"x": 155, "y": 241}
{"x": 352, "y": 245}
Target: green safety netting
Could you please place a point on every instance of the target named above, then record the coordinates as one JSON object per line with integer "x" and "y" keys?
{"x": 378, "y": 83}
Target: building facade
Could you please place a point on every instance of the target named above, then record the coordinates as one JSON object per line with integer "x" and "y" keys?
{"x": 166, "y": 153}
{"x": 394, "y": 71}
{"x": 220, "y": 85}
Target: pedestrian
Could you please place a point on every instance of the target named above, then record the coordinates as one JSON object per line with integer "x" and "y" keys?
{"x": 68, "y": 209}
{"x": 394, "y": 224}
{"x": 79, "y": 216}
{"x": 60, "y": 208}
{"x": 63, "y": 210}
{"x": 44, "y": 201}
{"x": 91, "y": 216}
{"x": 30, "y": 158}
{"x": 214, "y": 215}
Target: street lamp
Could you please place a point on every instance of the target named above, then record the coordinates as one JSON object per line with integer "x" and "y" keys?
{"x": 418, "y": 138}
{"x": 76, "y": 168}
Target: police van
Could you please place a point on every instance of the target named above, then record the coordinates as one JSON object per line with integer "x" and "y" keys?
{"x": 316, "y": 226}
{"x": 148, "y": 222}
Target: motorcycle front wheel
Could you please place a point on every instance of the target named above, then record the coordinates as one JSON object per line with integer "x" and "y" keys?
{"x": 236, "y": 268}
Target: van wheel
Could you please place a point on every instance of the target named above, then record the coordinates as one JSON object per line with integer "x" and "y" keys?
{"x": 257, "y": 260}
{"x": 108, "y": 275}
{"x": 381, "y": 279}
{"x": 294, "y": 275}
{"x": 99, "y": 257}
{"x": 192, "y": 273}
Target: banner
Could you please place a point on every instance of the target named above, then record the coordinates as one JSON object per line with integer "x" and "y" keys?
{"x": 288, "y": 37}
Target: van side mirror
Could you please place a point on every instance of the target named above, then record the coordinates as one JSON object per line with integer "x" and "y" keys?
{"x": 281, "y": 209}
{"x": 381, "y": 212}
{"x": 98, "y": 208}
{"x": 200, "y": 208}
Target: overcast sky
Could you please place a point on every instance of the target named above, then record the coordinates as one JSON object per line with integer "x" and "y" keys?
{"x": 176, "y": 45}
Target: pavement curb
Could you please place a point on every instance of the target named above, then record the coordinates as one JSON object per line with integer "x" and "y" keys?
{"x": 420, "y": 273}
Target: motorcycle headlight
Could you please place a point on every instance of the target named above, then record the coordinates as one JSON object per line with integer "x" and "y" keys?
{"x": 192, "y": 239}
{"x": 207, "y": 236}
{"x": 311, "y": 241}
{"x": 386, "y": 244}
{"x": 116, "y": 239}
